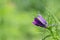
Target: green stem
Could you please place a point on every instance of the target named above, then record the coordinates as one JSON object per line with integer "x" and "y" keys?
{"x": 56, "y": 20}
{"x": 52, "y": 34}
{"x": 53, "y": 15}
{"x": 46, "y": 37}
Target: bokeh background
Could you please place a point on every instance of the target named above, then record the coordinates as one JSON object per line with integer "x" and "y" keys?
{"x": 16, "y": 18}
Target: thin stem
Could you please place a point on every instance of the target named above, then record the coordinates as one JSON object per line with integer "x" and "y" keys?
{"x": 56, "y": 20}
{"x": 52, "y": 34}
{"x": 48, "y": 18}
{"x": 46, "y": 37}
{"x": 52, "y": 14}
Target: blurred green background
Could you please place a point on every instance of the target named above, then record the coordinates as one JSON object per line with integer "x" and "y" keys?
{"x": 16, "y": 18}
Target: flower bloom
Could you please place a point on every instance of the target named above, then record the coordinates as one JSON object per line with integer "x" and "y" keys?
{"x": 40, "y": 21}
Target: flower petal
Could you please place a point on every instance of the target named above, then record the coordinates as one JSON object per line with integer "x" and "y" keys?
{"x": 40, "y": 18}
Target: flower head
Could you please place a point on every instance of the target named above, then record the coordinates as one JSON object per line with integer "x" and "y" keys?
{"x": 40, "y": 21}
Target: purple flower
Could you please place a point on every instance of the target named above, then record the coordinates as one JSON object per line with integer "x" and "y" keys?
{"x": 40, "y": 21}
